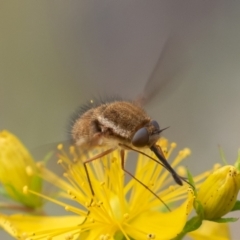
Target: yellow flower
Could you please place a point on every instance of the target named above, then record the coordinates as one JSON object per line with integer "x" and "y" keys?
{"x": 19, "y": 226}
{"x": 211, "y": 231}
{"x": 219, "y": 192}
{"x": 17, "y": 169}
{"x": 117, "y": 209}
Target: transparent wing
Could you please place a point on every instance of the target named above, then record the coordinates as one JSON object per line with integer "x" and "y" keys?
{"x": 172, "y": 60}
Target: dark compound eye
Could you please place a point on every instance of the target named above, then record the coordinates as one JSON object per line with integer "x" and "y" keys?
{"x": 140, "y": 138}
{"x": 155, "y": 124}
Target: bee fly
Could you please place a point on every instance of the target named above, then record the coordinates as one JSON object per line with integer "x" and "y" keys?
{"x": 120, "y": 124}
{"x": 124, "y": 124}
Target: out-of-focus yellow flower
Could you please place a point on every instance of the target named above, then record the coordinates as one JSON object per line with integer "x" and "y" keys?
{"x": 211, "y": 231}
{"x": 117, "y": 210}
{"x": 18, "y": 169}
{"x": 219, "y": 192}
{"x": 21, "y": 226}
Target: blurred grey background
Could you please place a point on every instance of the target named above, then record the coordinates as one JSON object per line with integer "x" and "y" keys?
{"x": 57, "y": 55}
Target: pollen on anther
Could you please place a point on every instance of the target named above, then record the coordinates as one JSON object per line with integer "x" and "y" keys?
{"x": 107, "y": 237}
{"x": 164, "y": 150}
{"x": 104, "y": 237}
{"x": 72, "y": 149}
{"x": 67, "y": 208}
{"x": 70, "y": 193}
{"x": 187, "y": 151}
{"x": 59, "y": 161}
{"x": 29, "y": 171}
{"x": 65, "y": 175}
{"x": 24, "y": 235}
{"x": 181, "y": 171}
{"x": 126, "y": 215}
{"x": 25, "y": 189}
{"x": 173, "y": 145}
{"x": 60, "y": 146}
{"x": 216, "y": 166}
{"x": 181, "y": 152}
{"x": 40, "y": 165}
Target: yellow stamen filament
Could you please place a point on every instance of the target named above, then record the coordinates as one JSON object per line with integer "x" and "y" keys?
{"x": 111, "y": 204}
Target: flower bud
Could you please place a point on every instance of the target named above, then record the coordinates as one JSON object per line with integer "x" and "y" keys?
{"x": 18, "y": 169}
{"x": 218, "y": 193}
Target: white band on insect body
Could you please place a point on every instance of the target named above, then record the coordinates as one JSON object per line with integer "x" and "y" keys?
{"x": 116, "y": 129}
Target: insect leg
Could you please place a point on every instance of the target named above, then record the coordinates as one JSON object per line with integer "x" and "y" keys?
{"x": 138, "y": 151}
{"x": 122, "y": 153}
{"x": 93, "y": 159}
{"x": 87, "y": 173}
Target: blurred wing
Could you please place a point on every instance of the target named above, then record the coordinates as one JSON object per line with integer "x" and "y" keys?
{"x": 172, "y": 60}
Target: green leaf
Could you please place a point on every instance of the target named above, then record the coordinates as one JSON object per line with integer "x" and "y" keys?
{"x": 237, "y": 163}
{"x": 225, "y": 220}
{"x": 222, "y": 156}
{"x": 236, "y": 206}
{"x": 191, "y": 181}
{"x": 191, "y": 225}
{"x": 199, "y": 209}
{"x": 48, "y": 156}
{"x": 119, "y": 236}
{"x": 36, "y": 183}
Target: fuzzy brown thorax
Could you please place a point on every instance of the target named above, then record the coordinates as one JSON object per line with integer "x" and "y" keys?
{"x": 117, "y": 121}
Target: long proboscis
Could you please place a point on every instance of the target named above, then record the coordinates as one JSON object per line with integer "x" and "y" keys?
{"x": 157, "y": 152}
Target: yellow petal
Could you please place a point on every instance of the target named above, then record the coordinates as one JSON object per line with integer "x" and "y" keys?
{"x": 211, "y": 231}
{"x": 161, "y": 225}
{"x": 17, "y": 170}
{"x": 129, "y": 210}
{"x": 23, "y": 227}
